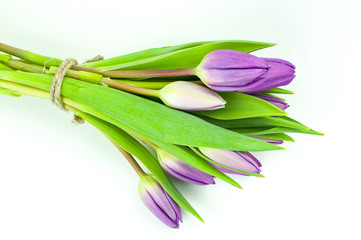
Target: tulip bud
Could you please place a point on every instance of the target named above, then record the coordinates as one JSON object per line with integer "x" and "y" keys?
{"x": 182, "y": 170}
{"x": 229, "y": 70}
{"x": 191, "y": 97}
{"x": 274, "y": 100}
{"x": 157, "y": 200}
{"x": 243, "y": 161}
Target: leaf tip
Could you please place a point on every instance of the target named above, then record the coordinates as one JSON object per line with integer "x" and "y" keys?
{"x": 199, "y": 218}
{"x": 317, "y": 133}
{"x": 279, "y": 147}
{"x": 235, "y": 184}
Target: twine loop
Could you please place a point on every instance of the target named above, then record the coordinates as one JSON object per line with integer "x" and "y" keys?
{"x": 55, "y": 89}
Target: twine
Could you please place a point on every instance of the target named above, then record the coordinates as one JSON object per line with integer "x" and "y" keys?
{"x": 55, "y": 89}
{"x": 94, "y": 59}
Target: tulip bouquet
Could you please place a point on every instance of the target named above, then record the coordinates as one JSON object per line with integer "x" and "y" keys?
{"x": 193, "y": 111}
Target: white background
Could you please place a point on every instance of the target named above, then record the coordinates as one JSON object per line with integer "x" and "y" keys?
{"x": 61, "y": 181}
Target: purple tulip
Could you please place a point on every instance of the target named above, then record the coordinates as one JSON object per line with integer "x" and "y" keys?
{"x": 243, "y": 161}
{"x": 190, "y": 97}
{"x": 182, "y": 170}
{"x": 159, "y": 202}
{"x": 229, "y": 70}
{"x": 271, "y": 99}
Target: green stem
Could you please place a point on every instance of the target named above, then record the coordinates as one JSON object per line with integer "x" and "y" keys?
{"x": 4, "y": 67}
{"x": 39, "y": 59}
{"x": 149, "y": 73}
{"x": 80, "y": 75}
{"x": 30, "y": 56}
{"x": 130, "y": 159}
{"x": 151, "y": 85}
{"x": 83, "y": 76}
{"x": 152, "y": 145}
{"x": 86, "y": 69}
{"x": 89, "y": 77}
{"x": 13, "y": 51}
{"x": 22, "y": 66}
{"x": 128, "y": 88}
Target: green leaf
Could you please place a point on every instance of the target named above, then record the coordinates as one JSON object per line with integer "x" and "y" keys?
{"x": 141, "y": 55}
{"x": 257, "y": 122}
{"x": 8, "y": 92}
{"x": 241, "y": 105}
{"x": 277, "y": 90}
{"x": 275, "y": 136}
{"x": 5, "y": 58}
{"x": 297, "y": 122}
{"x": 269, "y": 130}
{"x": 293, "y": 120}
{"x": 143, "y": 116}
{"x": 181, "y": 152}
{"x": 135, "y": 148}
{"x": 186, "y": 58}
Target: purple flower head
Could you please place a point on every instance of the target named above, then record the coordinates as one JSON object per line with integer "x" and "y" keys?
{"x": 182, "y": 170}
{"x": 274, "y": 100}
{"x": 229, "y": 70}
{"x": 281, "y": 73}
{"x": 243, "y": 161}
{"x": 190, "y": 97}
{"x": 157, "y": 200}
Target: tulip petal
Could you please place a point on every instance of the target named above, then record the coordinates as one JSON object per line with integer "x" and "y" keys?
{"x": 182, "y": 170}
{"x": 243, "y": 161}
{"x": 226, "y": 170}
{"x": 175, "y": 207}
{"x": 232, "y": 77}
{"x": 271, "y": 84}
{"x": 161, "y": 200}
{"x": 274, "y": 100}
{"x": 201, "y": 179}
{"x": 279, "y": 71}
{"x": 153, "y": 206}
{"x": 158, "y": 201}
{"x": 281, "y": 61}
{"x": 251, "y": 158}
{"x": 191, "y": 97}
{"x": 227, "y": 59}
